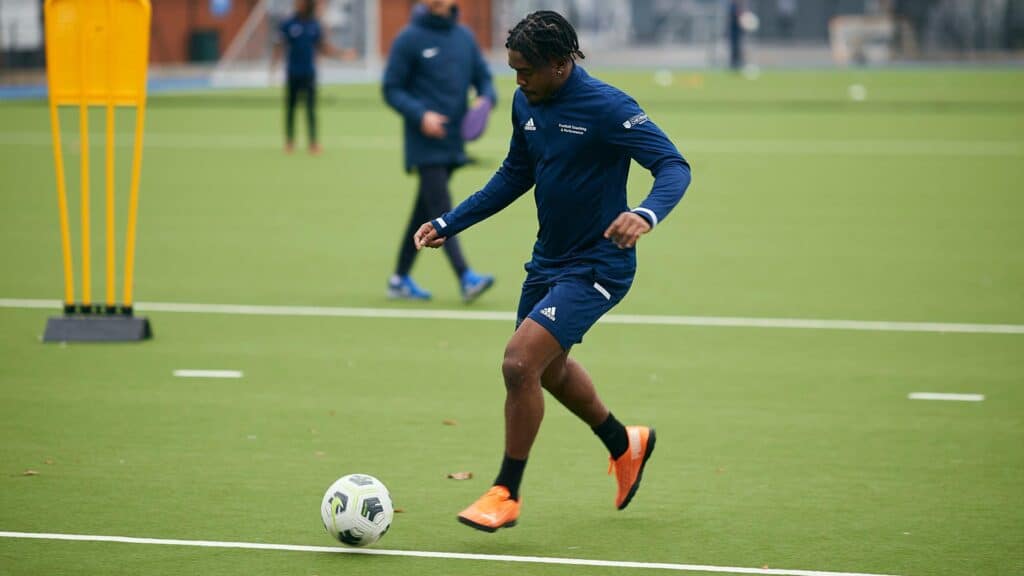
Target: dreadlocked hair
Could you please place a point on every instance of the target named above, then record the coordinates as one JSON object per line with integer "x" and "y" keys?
{"x": 544, "y": 36}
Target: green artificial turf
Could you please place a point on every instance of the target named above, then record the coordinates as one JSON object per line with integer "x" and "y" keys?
{"x": 783, "y": 448}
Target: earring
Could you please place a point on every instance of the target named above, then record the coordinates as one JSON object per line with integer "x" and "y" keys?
{"x": 560, "y": 71}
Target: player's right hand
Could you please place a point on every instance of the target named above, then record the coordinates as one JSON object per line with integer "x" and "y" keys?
{"x": 432, "y": 124}
{"x": 427, "y": 237}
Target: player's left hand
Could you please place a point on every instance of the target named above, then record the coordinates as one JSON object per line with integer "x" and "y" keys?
{"x": 627, "y": 229}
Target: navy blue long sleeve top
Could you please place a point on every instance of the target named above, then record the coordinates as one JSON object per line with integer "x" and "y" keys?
{"x": 431, "y": 66}
{"x": 303, "y": 37}
{"x": 575, "y": 150}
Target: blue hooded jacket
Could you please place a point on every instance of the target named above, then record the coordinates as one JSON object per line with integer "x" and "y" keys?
{"x": 432, "y": 64}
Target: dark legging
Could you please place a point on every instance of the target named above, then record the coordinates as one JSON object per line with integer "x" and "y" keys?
{"x": 432, "y": 200}
{"x": 306, "y": 85}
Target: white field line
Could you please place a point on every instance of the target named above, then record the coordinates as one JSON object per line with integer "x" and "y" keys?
{"x": 438, "y": 555}
{"x": 815, "y": 147}
{"x": 944, "y": 396}
{"x": 208, "y": 373}
{"x": 630, "y": 319}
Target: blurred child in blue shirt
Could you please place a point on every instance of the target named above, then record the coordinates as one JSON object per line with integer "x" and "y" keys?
{"x": 302, "y": 38}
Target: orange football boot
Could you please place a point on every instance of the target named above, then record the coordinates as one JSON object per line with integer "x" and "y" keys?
{"x": 493, "y": 510}
{"x": 629, "y": 467}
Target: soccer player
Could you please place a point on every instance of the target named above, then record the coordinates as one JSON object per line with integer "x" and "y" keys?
{"x": 302, "y": 36}
{"x": 431, "y": 66}
{"x": 573, "y": 137}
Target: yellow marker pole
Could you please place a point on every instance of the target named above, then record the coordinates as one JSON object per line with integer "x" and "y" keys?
{"x": 139, "y": 97}
{"x": 111, "y": 252}
{"x": 133, "y": 200}
{"x": 86, "y": 264}
{"x": 62, "y": 205}
{"x": 83, "y": 114}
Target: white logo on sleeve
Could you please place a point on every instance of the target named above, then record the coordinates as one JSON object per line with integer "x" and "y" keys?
{"x": 529, "y": 125}
{"x": 431, "y": 52}
{"x": 635, "y": 121}
{"x": 549, "y": 313}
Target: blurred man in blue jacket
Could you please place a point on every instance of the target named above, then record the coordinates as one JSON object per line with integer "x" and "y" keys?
{"x": 573, "y": 139}
{"x": 432, "y": 64}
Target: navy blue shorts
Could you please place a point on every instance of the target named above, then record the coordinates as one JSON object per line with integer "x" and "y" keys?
{"x": 567, "y": 302}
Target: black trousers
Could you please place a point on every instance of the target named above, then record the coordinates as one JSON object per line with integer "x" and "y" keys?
{"x": 304, "y": 86}
{"x": 735, "y": 49}
{"x": 432, "y": 200}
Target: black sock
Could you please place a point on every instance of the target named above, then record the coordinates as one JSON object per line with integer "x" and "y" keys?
{"x": 613, "y": 434}
{"x": 511, "y": 475}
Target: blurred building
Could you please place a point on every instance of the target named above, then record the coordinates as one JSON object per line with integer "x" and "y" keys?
{"x": 233, "y": 36}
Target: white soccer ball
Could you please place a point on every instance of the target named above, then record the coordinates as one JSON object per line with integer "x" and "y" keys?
{"x": 357, "y": 510}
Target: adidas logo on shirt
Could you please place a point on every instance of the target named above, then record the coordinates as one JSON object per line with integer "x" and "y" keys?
{"x": 549, "y": 313}
{"x": 529, "y": 126}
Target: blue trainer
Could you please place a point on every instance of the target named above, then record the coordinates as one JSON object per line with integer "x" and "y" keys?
{"x": 473, "y": 285}
{"x": 403, "y": 288}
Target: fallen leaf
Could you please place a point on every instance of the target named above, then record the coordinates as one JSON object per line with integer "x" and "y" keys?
{"x": 450, "y": 422}
{"x": 460, "y": 475}
{"x": 30, "y": 473}
{"x": 48, "y": 461}
{"x": 319, "y": 454}
{"x": 399, "y": 510}
{"x": 331, "y": 413}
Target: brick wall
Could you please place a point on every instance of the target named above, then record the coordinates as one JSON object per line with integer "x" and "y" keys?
{"x": 175, "y": 20}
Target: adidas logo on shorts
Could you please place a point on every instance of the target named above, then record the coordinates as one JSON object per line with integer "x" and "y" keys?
{"x": 549, "y": 313}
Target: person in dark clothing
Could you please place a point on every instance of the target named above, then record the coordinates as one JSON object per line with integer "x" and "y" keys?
{"x": 431, "y": 66}
{"x": 573, "y": 140}
{"x": 736, "y": 8}
{"x": 303, "y": 38}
